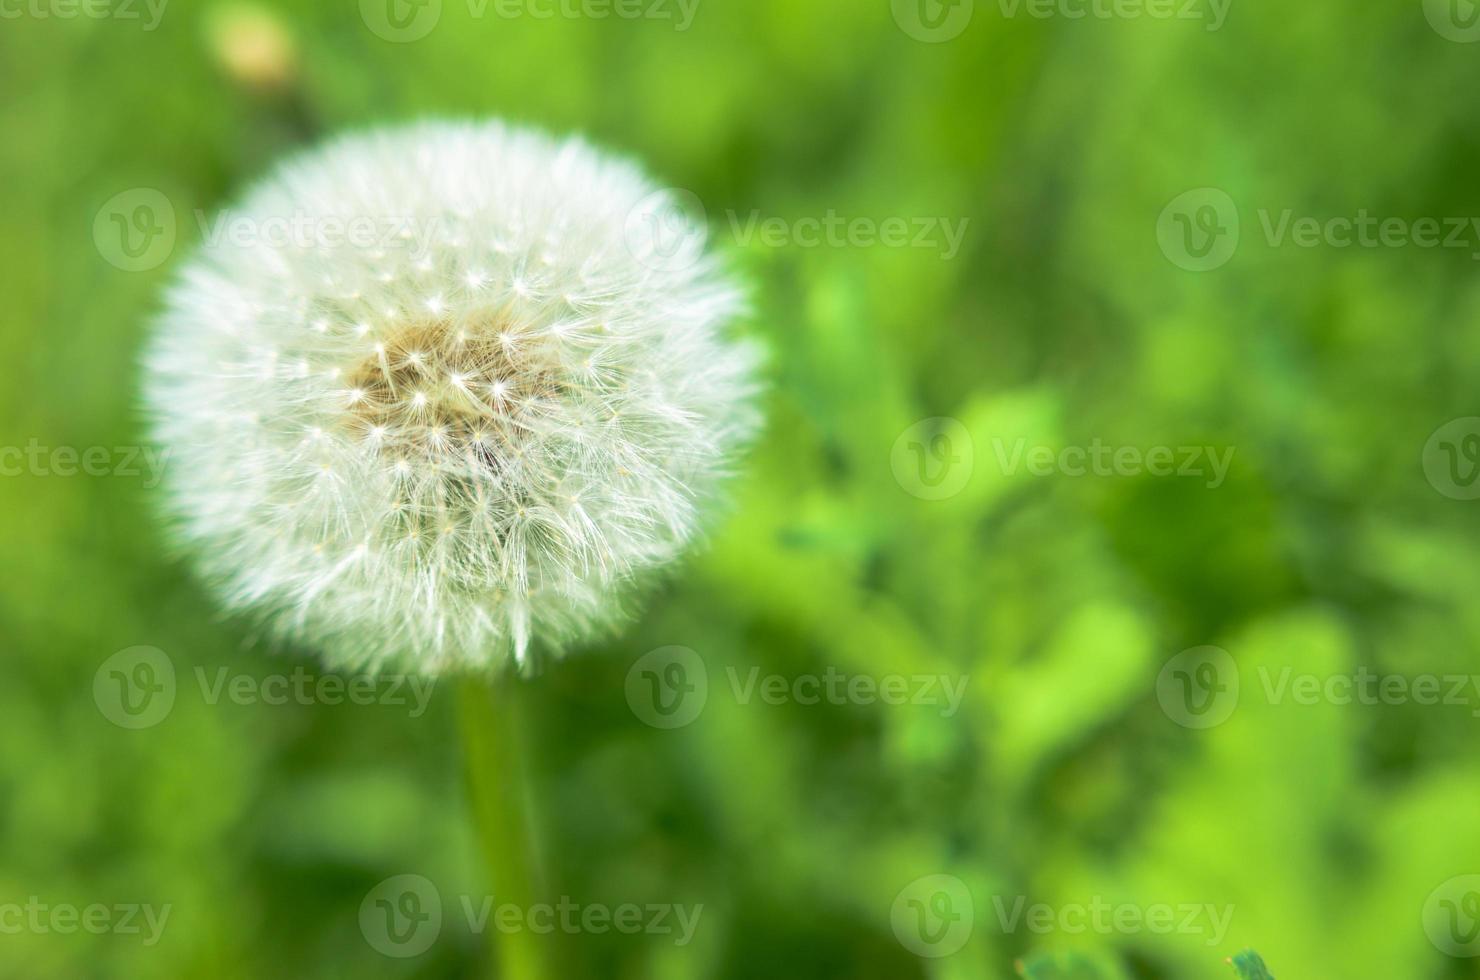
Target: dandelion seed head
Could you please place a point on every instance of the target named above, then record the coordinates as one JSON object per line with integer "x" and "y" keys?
{"x": 404, "y": 452}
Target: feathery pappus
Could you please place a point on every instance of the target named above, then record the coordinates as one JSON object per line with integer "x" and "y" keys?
{"x": 444, "y": 390}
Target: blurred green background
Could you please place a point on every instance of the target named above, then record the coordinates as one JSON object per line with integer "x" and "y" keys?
{"x": 1068, "y": 317}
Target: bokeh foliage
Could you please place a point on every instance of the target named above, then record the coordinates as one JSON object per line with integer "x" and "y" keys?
{"x": 1061, "y": 322}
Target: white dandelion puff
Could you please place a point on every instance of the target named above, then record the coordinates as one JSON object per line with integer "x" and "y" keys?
{"x": 426, "y": 446}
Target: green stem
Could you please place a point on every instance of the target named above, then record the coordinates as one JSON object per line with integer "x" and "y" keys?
{"x": 499, "y": 767}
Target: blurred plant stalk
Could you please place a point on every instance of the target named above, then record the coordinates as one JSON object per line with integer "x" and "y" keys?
{"x": 502, "y": 791}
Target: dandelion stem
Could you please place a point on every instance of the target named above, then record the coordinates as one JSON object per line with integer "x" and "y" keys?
{"x": 502, "y": 790}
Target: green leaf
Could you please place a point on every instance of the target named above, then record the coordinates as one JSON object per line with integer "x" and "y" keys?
{"x": 1250, "y": 966}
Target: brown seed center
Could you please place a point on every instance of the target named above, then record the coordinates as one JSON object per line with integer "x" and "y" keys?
{"x": 431, "y": 389}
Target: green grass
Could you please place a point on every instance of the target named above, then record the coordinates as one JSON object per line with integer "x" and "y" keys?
{"x": 1059, "y": 598}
